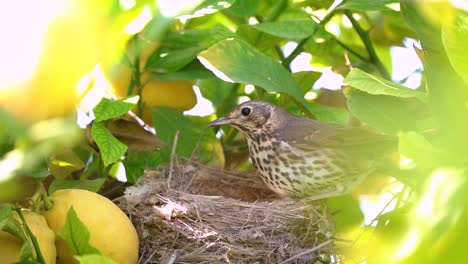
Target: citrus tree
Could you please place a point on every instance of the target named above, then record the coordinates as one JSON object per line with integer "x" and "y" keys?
{"x": 133, "y": 68}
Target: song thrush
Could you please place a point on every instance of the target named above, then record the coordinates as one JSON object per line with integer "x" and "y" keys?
{"x": 301, "y": 157}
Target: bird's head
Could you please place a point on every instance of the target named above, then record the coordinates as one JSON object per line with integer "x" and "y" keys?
{"x": 250, "y": 117}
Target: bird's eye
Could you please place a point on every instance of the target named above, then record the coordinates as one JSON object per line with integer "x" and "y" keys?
{"x": 246, "y": 111}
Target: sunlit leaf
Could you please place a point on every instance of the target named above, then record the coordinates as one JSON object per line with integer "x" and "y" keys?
{"x": 245, "y": 9}
{"x": 63, "y": 163}
{"x": 235, "y": 61}
{"x": 111, "y": 148}
{"x": 178, "y": 49}
{"x": 454, "y": 36}
{"x": 293, "y": 29}
{"x": 386, "y": 113}
{"x": 76, "y": 234}
{"x": 107, "y": 109}
{"x": 371, "y": 84}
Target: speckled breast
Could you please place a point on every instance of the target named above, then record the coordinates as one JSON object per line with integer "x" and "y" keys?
{"x": 290, "y": 171}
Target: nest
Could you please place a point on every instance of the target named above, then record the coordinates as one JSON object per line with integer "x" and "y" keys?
{"x": 196, "y": 214}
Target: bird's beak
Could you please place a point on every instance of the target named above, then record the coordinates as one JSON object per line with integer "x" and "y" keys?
{"x": 220, "y": 122}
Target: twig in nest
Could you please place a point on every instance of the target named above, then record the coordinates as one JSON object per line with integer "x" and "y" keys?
{"x": 347, "y": 60}
{"x": 326, "y": 243}
{"x": 173, "y": 152}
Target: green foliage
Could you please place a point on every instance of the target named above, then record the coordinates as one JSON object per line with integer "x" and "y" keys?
{"x": 111, "y": 148}
{"x": 76, "y": 234}
{"x": 228, "y": 47}
{"x": 107, "y": 109}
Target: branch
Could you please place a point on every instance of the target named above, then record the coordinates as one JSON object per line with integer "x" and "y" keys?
{"x": 287, "y": 61}
{"x": 279, "y": 8}
{"x": 373, "y": 58}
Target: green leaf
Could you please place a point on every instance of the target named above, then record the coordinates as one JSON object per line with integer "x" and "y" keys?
{"x": 76, "y": 234}
{"x": 346, "y": 212}
{"x": 371, "y": 84}
{"x": 178, "y": 49}
{"x": 111, "y": 148}
{"x": 413, "y": 145}
{"x": 94, "y": 259}
{"x": 136, "y": 162}
{"x": 8, "y": 223}
{"x": 454, "y": 36}
{"x": 192, "y": 71}
{"x": 6, "y": 211}
{"x": 306, "y": 79}
{"x": 292, "y": 29}
{"x": 388, "y": 114}
{"x": 245, "y": 8}
{"x": 84, "y": 184}
{"x": 366, "y": 5}
{"x": 194, "y": 136}
{"x": 233, "y": 60}
{"x": 12, "y": 226}
{"x": 107, "y": 109}
{"x": 63, "y": 163}
{"x": 328, "y": 114}
{"x": 264, "y": 43}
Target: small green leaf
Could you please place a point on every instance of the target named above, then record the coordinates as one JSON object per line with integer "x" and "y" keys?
{"x": 192, "y": 71}
{"x": 94, "y": 259}
{"x": 366, "y": 5}
{"x": 306, "y": 79}
{"x": 10, "y": 225}
{"x": 328, "y": 114}
{"x": 234, "y": 60}
{"x": 136, "y": 162}
{"x": 76, "y": 234}
{"x": 111, "y": 148}
{"x": 179, "y": 49}
{"x": 292, "y": 29}
{"x": 371, "y": 84}
{"x": 346, "y": 212}
{"x": 194, "y": 137}
{"x": 454, "y": 36}
{"x": 63, "y": 163}
{"x": 107, "y": 109}
{"x": 388, "y": 114}
{"x": 84, "y": 184}
{"x": 245, "y": 8}
{"x": 6, "y": 210}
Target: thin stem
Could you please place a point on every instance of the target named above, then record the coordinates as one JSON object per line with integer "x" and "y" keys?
{"x": 279, "y": 8}
{"x": 287, "y": 61}
{"x": 348, "y": 48}
{"x": 373, "y": 58}
{"x": 45, "y": 198}
{"x": 279, "y": 52}
{"x": 31, "y": 236}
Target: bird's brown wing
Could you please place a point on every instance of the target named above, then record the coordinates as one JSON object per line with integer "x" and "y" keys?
{"x": 309, "y": 134}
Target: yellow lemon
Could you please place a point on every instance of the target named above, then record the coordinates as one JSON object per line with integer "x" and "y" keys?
{"x": 176, "y": 94}
{"x": 43, "y": 61}
{"x": 112, "y": 233}
{"x": 10, "y": 246}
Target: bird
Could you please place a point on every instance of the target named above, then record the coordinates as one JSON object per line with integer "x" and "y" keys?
{"x": 304, "y": 158}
